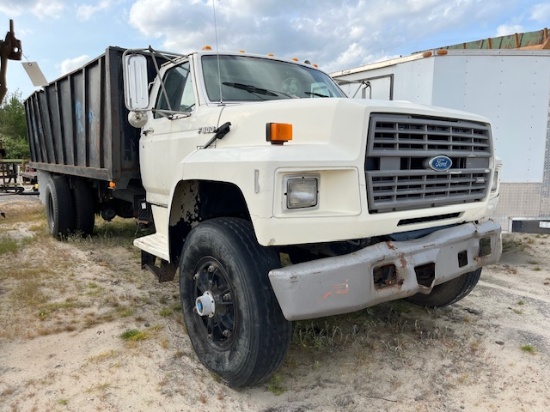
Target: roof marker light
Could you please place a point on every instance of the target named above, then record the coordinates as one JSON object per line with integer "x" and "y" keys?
{"x": 207, "y": 47}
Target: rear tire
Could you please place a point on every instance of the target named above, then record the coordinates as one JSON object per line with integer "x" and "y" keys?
{"x": 59, "y": 207}
{"x": 449, "y": 292}
{"x": 84, "y": 213}
{"x": 245, "y": 337}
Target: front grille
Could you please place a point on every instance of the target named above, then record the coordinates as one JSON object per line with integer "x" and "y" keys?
{"x": 397, "y": 167}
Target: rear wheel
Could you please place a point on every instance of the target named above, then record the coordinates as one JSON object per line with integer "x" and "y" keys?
{"x": 449, "y": 292}
{"x": 59, "y": 207}
{"x": 231, "y": 313}
{"x": 84, "y": 212}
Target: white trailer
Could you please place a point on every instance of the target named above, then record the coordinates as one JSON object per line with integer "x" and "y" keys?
{"x": 510, "y": 87}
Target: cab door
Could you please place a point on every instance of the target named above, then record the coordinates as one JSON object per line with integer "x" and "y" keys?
{"x": 171, "y": 134}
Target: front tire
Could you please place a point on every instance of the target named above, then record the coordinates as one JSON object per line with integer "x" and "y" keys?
{"x": 449, "y": 292}
{"x": 242, "y": 334}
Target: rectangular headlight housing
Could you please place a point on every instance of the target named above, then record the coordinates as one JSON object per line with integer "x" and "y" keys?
{"x": 302, "y": 191}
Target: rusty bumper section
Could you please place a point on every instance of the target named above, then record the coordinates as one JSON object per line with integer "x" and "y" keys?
{"x": 385, "y": 271}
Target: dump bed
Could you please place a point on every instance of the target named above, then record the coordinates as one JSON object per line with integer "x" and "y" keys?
{"x": 77, "y": 124}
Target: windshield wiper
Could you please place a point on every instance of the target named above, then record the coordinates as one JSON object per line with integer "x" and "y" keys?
{"x": 316, "y": 94}
{"x": 254, "y": 89}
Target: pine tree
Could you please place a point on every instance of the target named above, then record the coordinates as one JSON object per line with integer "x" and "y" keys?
{"x": 13, "y": 129}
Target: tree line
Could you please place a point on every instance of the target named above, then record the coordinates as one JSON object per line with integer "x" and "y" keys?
{"x": 13, "y": 127}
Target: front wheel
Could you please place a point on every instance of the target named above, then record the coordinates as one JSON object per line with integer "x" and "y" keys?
{"x": 449, "y": 292}
{"x": 232, "y": 316}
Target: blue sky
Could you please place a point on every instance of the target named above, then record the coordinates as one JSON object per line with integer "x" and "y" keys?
{"x": 336, "y": 34}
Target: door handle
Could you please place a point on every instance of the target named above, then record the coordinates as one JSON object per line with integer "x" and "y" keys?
{"x": 147, "y": 131}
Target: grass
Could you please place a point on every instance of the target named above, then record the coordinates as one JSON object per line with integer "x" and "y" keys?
{"x": 102, "y": 357}
{"x": 117, "y": 232}
{"x": 94, "y": 290}
{"x": 516, "y": 310}
{"x": 124, "y": 311}
{"x": 47, "y": 287}
{"x": 528, "y": 348}
{"x": 48, "y": 309}
{"x": 28, "y": 293}
{"x": 512, "y": 244}
{"x": 275, "y": 385}
{"x": 134, "y": 335}
{"x": 391, "y": 327}
{"x": 8, "y": 245}
{"x": 317, "y": 334}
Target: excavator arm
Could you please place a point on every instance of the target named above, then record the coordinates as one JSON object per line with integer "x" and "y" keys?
{"x": 10, "y": 49}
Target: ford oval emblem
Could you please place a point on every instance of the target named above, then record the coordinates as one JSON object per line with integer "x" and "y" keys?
{"x": 440, "y": 163}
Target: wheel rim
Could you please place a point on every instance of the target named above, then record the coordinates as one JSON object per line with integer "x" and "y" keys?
{"x": 212, "y": 281}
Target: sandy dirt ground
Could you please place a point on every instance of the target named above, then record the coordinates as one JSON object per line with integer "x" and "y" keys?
{"x": 82, "y": 328}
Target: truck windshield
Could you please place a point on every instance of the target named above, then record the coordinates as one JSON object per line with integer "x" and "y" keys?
{"x": 245, "y": 78}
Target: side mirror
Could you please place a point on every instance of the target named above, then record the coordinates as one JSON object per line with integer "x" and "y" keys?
{"x": 136, "y": 85}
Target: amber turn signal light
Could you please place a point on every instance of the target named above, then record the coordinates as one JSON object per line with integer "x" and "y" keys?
{"x": 278, "y": 133}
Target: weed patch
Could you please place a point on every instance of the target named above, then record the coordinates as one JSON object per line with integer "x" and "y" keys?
{"x": 528, "y": 348}
{"x": 8, "y": 245}
{"x": 275, "y": 385}
{"x": 28, "y": 294}
{"x": 134, "y": 335}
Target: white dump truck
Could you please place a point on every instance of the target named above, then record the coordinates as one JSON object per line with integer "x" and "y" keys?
{"x": 238, "y": 159}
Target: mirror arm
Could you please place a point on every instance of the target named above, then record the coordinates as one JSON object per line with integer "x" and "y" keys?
{"x": 164, "y": 92}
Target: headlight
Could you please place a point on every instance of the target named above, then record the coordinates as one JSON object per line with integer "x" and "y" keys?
{"x": 301, "y": 192}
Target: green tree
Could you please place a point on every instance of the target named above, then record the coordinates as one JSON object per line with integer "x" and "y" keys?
{"x": 13, "y": 128}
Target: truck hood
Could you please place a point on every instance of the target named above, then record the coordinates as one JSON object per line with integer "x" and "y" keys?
{"x": 317, "y": 121}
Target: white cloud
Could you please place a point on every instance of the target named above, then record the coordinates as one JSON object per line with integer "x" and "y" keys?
{"x": 15, "y": 7}
{"x": 86, "y": 11}
{"x": 68, "y": 65}
{"x": 182, "y": 24}
{"x": 506, "y": 29}
{"x": 48, "y": 9}
{"x": 42, "y": 9}
{"x": 333, "y": 33}
{"x": 541, "y": 12}
{"x": 349, "y": 56}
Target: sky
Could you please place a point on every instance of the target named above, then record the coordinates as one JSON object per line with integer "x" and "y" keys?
{"x": 62, "y": 35}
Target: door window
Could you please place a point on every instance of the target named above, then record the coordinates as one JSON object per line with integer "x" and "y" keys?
{"x": 177, "y": 96}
